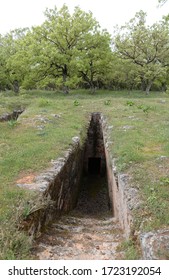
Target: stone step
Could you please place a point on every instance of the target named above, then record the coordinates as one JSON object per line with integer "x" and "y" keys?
{"x": 80, "y": 238}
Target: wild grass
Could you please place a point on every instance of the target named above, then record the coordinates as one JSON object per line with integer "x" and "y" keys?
{"x": 138, "y": 140}
{"x": 131, "y": 251}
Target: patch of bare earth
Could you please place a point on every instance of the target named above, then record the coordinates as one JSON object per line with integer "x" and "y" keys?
{"x": 26, "y": 179}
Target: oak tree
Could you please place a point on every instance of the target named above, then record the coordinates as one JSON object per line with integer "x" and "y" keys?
{"x": 145, "y": 46}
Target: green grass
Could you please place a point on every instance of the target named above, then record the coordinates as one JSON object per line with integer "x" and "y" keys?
{"x": 139, "y": 142}
{"x": 131, "y": 251}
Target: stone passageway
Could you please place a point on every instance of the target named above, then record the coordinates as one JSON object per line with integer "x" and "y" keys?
{"x": 87, "y": 232}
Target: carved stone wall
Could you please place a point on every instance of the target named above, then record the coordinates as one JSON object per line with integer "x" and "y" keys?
{"x": 94, "y": 148}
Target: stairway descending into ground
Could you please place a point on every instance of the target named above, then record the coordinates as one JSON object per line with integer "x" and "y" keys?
{"x": 89, "y": 232}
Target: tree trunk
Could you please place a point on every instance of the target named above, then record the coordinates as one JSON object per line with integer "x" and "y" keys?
{"x": 164, "y": 87}
{"x": 16, "y": 86}
{"x": 65, "y": 74}
{"x": 65, "y": 89}
{"x": 148, "y": 87}
{"x": 92, "y": 88}
{"x": 143, "y": 84}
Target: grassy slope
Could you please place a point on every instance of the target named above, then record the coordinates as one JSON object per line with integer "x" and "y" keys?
{"x": 44, "y": 131}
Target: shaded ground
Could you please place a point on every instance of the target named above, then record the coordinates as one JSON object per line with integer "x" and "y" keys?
{"x": 87, "y": 232}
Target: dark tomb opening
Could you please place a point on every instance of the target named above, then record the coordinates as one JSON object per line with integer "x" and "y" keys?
{"x": 94, "y": 195}
{"x": 94, "y": 166}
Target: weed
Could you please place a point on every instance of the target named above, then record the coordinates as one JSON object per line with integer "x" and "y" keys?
{"x": 130, "y": 103}
{"x": 140, "y": 106}
{"x": 26, "y": 210}
{"x": 76, "y": 103}
{"x": 130, "y": 250}
{"x": 42, "y": 102}
{"x": 12, "y": 123}
{"x": 146, "y": 109}
{"x": 164, "y": 180}
{"x": 107, "y": 102}
{"x": 14, "y": 244}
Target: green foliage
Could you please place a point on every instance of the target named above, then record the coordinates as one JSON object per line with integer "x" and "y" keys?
{"x": 146, "y": 47}
{"x": 140, "y": 106}
{"x": 12, "y": 123}
{"x": 164, "y": 180}
{"x": 146, "y": 109}
{"x": 76, "y": 103}
{"x": 107, "y": 102}
{"x": 130, "y": 103}
{"x": 130, "y": 249}
{"x": 42, "y": 102}
{"x": 70, "y": 50}
{"x": 64, "y": 47}
{"x": 65, "y": 50}
{"x": 157, "y": 203}
{"x": 162, "y": 1}
{"x": 15, "y": 244}
{"x": 26, "y": 210}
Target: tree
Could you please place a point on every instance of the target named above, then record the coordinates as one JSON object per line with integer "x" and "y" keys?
{"x": 13, "y": 69}
{"x": 3, "y": 77}
{"x": 162, "y": 1}
{"x": 66, "y": 50}
{"x": 94, "y": 57}
{"x": 57, "y": 44}
{"x": 145, "y": 46}
{"x": 123, "y": 74}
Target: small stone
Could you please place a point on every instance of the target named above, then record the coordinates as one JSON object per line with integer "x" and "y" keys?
{"x": 57, "y": 116}
{"x": 127, "y": 127}
{"x": 76, "y": 139}
{"x": 40, "y": 127}
{"x": 110, "y": 127}
{"x": 88, "y": 237}
{"x": 162, "y": 101}
{"x": 161, "y": 157}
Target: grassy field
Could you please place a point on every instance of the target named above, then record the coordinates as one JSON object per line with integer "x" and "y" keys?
{"x": 139, "y": 143}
